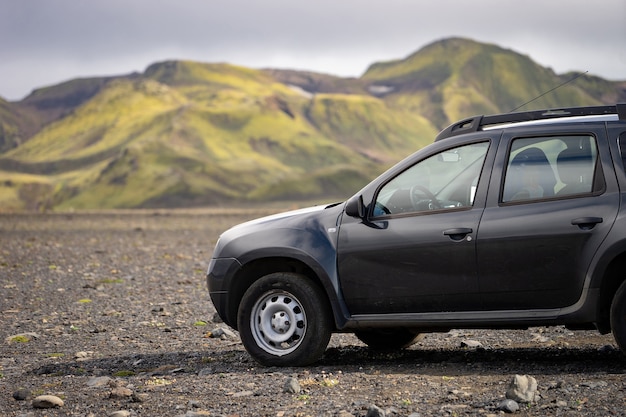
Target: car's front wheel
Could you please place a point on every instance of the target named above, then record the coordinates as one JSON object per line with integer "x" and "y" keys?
{"x": 284, "y": 320}
{"x": 388, "y": 339}
{"x": 618, "y": 317}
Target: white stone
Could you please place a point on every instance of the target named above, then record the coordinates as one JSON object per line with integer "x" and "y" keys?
{"x": 47, "y": 401}
{"x": 523, "y": 388}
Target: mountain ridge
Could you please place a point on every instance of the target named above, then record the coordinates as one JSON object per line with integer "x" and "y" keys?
{"x": 185, "y": 133}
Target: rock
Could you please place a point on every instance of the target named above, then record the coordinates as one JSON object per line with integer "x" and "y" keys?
{"x": 471, "y": 344}
{"x": 139, "y": 398}
{"x": 344, "y": 413}
{"x": 222, "y": 333}
{"x": 120, "y": 392}
{"x": 508, "y": 406}
{"x": 374, "y": 411}
{"x": 22, "y": 337}
{"x": 292, "y": 386}
{"x": 607, "y": 349}
{"x": 21, "y": 395}
{"x": 99, "y": 381}
{"x": 556, "y": 385}
{"x": 243, "y": 394}
{"x": 523, "y": 388}
{"x": 594, "y": 385}
{"x": 47, "y": 401}
{"x": 121, "y": 413}
{"x": 82, "y": 356}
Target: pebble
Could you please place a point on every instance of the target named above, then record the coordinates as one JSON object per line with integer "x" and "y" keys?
{"x": 47, "y": 401}
{"x": 121, "y": 413}
{"x": 375, "y": 411}
{"x": 120, "y": 392}
{"x": 222, "y": 333}
{"x": 82, "y": 355}
{"x": 21, "y": 395}
{"x": 292, "y": 386}
{"x": 139, "y": 398}
{"x": 99, "y": 381}
{"x": 243, "y": 394}
{"x": 22, "y": 337}
{"x": 594, "y": 385}
{"x": 508, "y": 406}
{"x": 471, "y": 344}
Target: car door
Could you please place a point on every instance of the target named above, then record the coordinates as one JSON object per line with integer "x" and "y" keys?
{"x": 550, "y": 205}
{"x": 415, "y": 250}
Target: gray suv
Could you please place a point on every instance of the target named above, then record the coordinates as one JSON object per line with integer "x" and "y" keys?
{"x": 505, "y": 221}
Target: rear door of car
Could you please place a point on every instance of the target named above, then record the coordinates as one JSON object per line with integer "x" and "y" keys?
{"x": 552, "y": 200}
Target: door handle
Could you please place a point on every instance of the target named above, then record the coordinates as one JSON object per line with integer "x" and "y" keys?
{"x": 458, "y": 233}
{"x": 586, "y": 223}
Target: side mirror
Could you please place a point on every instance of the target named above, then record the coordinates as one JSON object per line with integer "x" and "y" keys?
{"x": 355, "y": 207}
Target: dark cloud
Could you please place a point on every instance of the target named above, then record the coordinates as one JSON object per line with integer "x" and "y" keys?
{"x": 45, "y": 42}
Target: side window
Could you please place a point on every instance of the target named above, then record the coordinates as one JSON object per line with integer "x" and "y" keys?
{"x": 447, "y": 180}
{"x": 551, "y": 167}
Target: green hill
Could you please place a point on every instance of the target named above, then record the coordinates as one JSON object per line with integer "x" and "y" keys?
{"x": 187, "y": 134}
{"x": 454, "y": 78}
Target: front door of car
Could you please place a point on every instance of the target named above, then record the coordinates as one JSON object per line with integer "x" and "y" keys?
{"x": 550, "y": 205}
{"x": 415, "y": 250}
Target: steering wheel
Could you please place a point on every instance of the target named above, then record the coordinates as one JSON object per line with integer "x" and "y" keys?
{"x": 419, "y": 190}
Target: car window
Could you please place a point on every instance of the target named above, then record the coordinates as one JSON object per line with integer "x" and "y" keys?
{"x": 446, "y": 180}
{"x": 550, "y": 167}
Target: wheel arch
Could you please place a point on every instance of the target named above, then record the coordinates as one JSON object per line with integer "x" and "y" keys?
{"x": 613, "y": 275}
{"x": 258, "y": 268}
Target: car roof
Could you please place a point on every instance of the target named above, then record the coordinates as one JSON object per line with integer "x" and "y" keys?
{"x": 535, "y": 117}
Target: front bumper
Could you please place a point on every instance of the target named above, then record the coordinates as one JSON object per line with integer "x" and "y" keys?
{"x": 218, "y": 276}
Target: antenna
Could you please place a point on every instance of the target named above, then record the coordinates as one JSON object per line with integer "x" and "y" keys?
{"x": 549, "y": 91}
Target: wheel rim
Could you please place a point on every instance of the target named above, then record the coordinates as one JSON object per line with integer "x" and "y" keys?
{"x": 278, "y": 323}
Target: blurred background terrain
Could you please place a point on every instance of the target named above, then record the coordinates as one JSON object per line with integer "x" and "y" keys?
{"x": 190, "y": 134}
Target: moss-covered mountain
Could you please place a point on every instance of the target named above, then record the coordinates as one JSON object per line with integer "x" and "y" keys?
{"x": 187, "y": 133}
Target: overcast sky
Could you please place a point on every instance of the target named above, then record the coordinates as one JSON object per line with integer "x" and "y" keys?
{"x": 44, "y": 42}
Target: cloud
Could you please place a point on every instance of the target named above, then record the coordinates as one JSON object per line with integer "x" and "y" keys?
{"x": 53, "y": 41}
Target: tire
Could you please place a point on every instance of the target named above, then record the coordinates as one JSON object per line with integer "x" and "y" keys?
{"x": 388, "y": 339}
{"x": 618, "y": 317}
{"x": 284, "y": 319}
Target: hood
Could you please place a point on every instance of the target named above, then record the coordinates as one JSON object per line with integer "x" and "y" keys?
{"x": 277, "y": 216}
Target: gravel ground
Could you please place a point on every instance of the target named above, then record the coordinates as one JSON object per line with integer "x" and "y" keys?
{"x": 109, "y": 312}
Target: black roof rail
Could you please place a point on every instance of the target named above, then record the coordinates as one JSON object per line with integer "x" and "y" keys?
{"x": 475, "y": 123}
